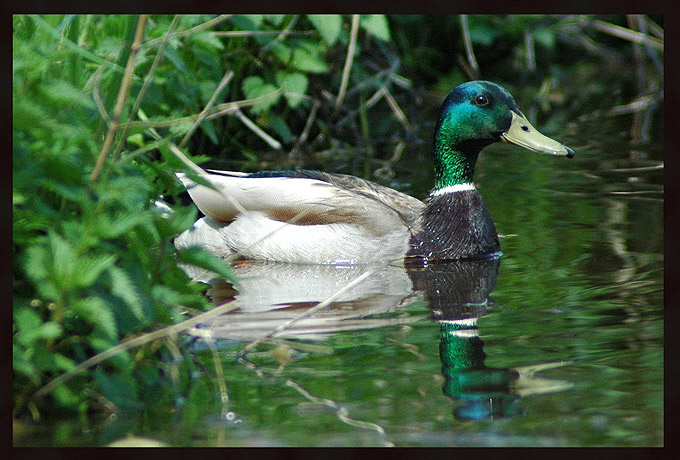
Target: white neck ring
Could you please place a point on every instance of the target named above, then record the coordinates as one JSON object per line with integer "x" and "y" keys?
{"x": 453, "y": 189}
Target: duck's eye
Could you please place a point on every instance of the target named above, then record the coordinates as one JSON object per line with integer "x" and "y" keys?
{"x": 481, "y": 100}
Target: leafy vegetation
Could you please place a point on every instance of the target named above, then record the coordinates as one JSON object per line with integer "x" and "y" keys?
{"x": 107, "y": 108}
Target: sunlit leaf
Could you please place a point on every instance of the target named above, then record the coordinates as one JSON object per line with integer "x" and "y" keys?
{"x": 65, "y": 396}
{"x": 31, "y": 327}
{"x": 166, "y": 295}
{"x": 308, "y": 61}
{"x": 282, "y": 52}
{"x": 136, "y": 139}
{"x": 63, "y": 363}
{"x": 328, "y": 25}
{"x": 97, "y": 313}
{"x": 90, "y": 267}
{"x": 63, "y": 262}
{"x": 275, "y": 19}
{"x": 62, "y": 92}
{"x": 37, "y": 264}
{"x": 376, "y": 25}
{"x": 201, "y": 258}
{"x": 121, "y": 223}
{"x": 255, "y": 87}
{"x": 23, "y": 365}
{"x": 294, "y": 86}
{"x": 123, "y": 287}
{"x": 26, "y": 319}
{"x": 207, "y": 40}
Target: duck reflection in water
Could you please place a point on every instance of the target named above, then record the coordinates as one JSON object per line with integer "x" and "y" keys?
{"x": 458, "y": 294}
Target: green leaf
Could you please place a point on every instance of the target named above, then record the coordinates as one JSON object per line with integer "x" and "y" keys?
{"x": 28, "y": 115}
{"x": 308, "y": 61}
{"x": 294, "y": 86}
{"x": 42, "y": 23}
{"x": 376, "y": 25}
{"x": 17, "y": 198}
{"x": 96, "y": 312}
{"x": 279, "y": 125}
{"x": 26, "y": 320}
{"x": 31, "y": 328}
{"x": 122, "y": 223}
{"x": 282, "y": 52}
{"x": 64, "y": 93}
{"x": 66, "y": 191}
{"x": 207, "y": 40}
{"x": 37, "y": 263}
{"x": 181, "y": 218}
{"x": 481, "y": 31}
{"x": 136, "y": 139}
{"x": 199, "y": 393}
{"x": 255, "y": 87}
{"x": 275, "y": 19}
{"x": 176, "y": 59}
{"x": 89, "y": 268}
{"x": 192, "y": 20}
{"x": 251, "y": 85}
{"x": 65, "y": 396}
{"x": 328, "y": 25}
{"x": 202, "y": 258}
{"x": 544, "y": 37}
{"x": 209, "y": 129}
{"x": 63, "y": 262}
{"x": 123, "y": 287}
{"x": 119, "y": 389}
{"x": 165, "y": 295}
{"x": 181, "y": 128}
{"x": 63, "y": 363}
{"x": 100, "y": 343}
{"x": 247, "y": 21}
{"x": 48, "y": 331}
{"x": 22, "y": 363}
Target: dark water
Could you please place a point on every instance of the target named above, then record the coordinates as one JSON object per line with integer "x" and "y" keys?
{"x": 560, "y": 343}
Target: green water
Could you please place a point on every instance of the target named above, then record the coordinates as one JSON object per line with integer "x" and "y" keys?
{"x": 567, "y": 350}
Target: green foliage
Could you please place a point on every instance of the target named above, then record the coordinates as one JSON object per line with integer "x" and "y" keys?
{"x": 328, "y": 25}
{"x": 93, "y": 260}
{"x": 376, "y": 25}
{"x": 295, "y": 86}
{"x": 307, "y": 58}
{"x": 254, "y": 87}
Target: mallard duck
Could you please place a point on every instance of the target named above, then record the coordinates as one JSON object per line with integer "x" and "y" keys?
{"x": 316, "y": 217}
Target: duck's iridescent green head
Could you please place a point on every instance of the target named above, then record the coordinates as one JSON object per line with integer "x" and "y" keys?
{"x": 477, "y": 114}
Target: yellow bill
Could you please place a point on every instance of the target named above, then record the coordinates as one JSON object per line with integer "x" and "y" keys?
{"x": 522, "y": 133}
